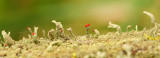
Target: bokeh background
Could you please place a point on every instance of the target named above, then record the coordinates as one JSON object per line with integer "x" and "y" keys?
{"x": 17, "y": 15}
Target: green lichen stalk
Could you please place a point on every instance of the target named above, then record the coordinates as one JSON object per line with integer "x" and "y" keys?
{"x": 35, "y": 38}
{"x": 111, "y": 25}
{"x": 8, "y": 40}
{"x": 71, "y": 33}
{"x": 51, "y": 35}
{"x": 97, "y": 33}
{"x": 59, "y": 29}
{"x": 87, "y": 30}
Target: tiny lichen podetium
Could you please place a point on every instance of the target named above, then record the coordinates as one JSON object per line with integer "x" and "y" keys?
{"x": 136, "y": 27}
{"x": 7, "y": 38}
{"x": 128, "y": 27}
{"x": 153, "y": 31}
{"x": 44, "y": 34}
{"x": 111, "y": 25}
{"x": 96, "y": 33}
{"x": 87, "y": 30}
{"x": 59, "y": 28}
{"x": 150, "y": 15}
{"x": 35, "y": 35}
{"x": 71, "y": 33}
{"x": 51, "y": 34}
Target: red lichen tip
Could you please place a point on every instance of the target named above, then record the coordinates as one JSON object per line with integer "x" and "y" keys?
{"x": 33, "y": 33}
{"x": 61, "y": 30}
{"x": 28, "y": 28}
{"x": 5, "y": 45}
{"x": 87, "y": 25}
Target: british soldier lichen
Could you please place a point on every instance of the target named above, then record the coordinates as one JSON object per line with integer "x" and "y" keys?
{"x": 44, "y": 34}
{"x": 30, "y": 30}
{"x": 112, "y": 45}
{"x": 8, "y": 40}
{"x": 51, "y": 35}
{"x": 136, "y": 27}
{"x": 59, "y": 29}
{"x": 87, "y": 26}
{"x": 35, "y": 38}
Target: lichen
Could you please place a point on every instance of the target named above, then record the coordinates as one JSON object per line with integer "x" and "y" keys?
{"x": 110, "y": 45}
{"x": 153, "y": 31}
{"x": 71, "y": 33}
{"x": 51, "y": 35}
{"x": 97, "y": 33}
{"x": 111, "y": 25}
{"x": 8, "y": 40}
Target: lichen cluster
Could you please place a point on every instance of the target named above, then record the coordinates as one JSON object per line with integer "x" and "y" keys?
{"x": 112, "y": 45}
{"x": 130, "y": 44}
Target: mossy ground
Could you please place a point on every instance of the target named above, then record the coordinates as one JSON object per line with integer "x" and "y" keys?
{"x": 109, "y": 45}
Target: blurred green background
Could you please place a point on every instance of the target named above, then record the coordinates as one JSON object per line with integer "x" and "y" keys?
{"x": 17, "y": 15}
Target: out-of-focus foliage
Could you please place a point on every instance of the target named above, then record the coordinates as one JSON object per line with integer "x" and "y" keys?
{"x": 17, "y": 15}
